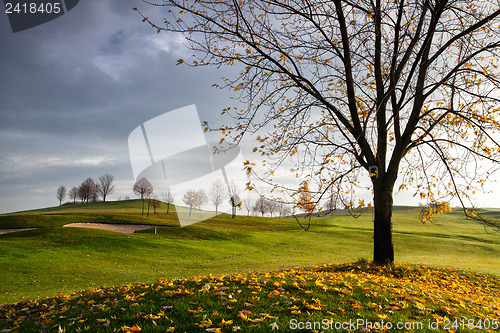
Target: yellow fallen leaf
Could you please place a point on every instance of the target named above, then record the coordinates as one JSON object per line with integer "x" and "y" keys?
{"x": 419, "y": 306}
{"x": 226, "y": 322}
{"x": 214, "y": 330}
{"x": 206, "y": 322}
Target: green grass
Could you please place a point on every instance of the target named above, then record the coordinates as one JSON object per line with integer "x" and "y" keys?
{"x": 55, "y": 260}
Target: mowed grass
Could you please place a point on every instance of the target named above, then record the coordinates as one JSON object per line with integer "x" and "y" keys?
{"x": 55, "y": 260}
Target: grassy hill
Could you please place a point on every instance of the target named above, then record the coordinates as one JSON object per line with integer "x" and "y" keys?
{"x": 353, "y": 297}
{"x": 51, "y": 260}
{"x": 128, "y": 212}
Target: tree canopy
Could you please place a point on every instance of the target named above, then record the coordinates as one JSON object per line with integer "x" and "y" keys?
{"x": 346, "y": 89}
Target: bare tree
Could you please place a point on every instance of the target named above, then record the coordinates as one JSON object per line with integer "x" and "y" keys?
{"x": 261, "y": 206}
{"x": 88, "y": 190}
{"x": 332, "y": 200}
{"x": 217, "y": 194}
{"x": 144, "y": 189}
{"x": 168, "y": 198}
{"x": 73, "y": 193}
{"x": 200, "y": 200}
{"x": 156, "y": 204}
{"x": 234, "y": 198}
{"x": 356, "y": 90}
{"x": 94, "y": 194}
{"x": 81, "y": 194}
{"x": 189, "y": 199}
{"x": 153, "y": 202}
{"x": 195, "y": 199}
{"x": 105, "y": 186}
{"x": 61, "y": 194}
{"x": 248, "y": 204}
{"x": 272, "y": 206}
{"x": 285, "y": 210}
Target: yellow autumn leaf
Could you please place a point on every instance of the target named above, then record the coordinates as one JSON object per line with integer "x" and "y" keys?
{"x": 419, "y": 306}
{"x": 205, "y": 322}
{"x": 226, "y": 322}
{"x": 214, "y": 330}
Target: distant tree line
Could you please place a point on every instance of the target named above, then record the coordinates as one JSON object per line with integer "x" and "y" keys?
{"x": 88, "y": 191}
{"x": 92, "y": 191}
{"x": 219, "y": 191}
{"x": 265, "y": 206}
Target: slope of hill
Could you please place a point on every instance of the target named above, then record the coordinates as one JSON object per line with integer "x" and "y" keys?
{"x": 343, "y": 298}
{"x": 128, "y": 212}
{"x": 52, "y": 259}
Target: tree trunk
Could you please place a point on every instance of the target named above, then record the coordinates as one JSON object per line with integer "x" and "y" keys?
{"x": 383, "y": 249}
{"x": 233, "y": 210}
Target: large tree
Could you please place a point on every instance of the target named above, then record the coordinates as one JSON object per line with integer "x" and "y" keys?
{"x": 380, "y": 89}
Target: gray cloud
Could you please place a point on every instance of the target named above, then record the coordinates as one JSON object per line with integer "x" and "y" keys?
{"x": 72, "y": 89}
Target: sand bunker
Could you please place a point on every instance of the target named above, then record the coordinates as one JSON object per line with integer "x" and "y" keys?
{"x": 6, "y": 231}
{"x": 124, "y": 228}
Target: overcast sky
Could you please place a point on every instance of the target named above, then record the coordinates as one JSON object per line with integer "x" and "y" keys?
{"x": 73, "y": 89}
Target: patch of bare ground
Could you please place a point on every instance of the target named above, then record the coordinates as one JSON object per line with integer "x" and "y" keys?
{"x": 123, "y": 228}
